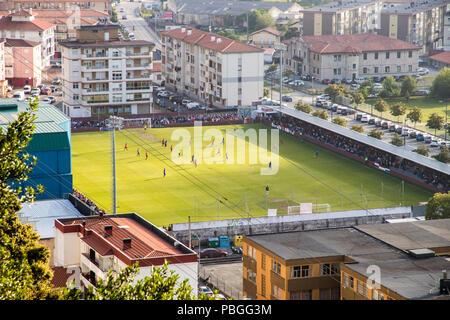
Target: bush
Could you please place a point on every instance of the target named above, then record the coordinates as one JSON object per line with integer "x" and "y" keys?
{"x": 321, "y": 114}
{"x": 303, "y": 107}
{"x": 375, "y": 133}
{"x": 422, "y": 150}
{"x": 340, "y": 121}
{"x": 443, "y": 156}
{"x": 397, "y": 141}
{"x": 358, "y": 128}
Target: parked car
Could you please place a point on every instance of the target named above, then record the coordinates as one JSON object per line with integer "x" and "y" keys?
{"x": 46, "y": 100}
{"x": 435, "y": 143}
{"x": 385, "y": 125}
{"x": 124, "y": 17}
{"x": 46, "y": 91}
{"x": 355, "y": 86}
{"x": 205, "y": 290}
{"x": 324, "y": 97}
{"x": 372, "y": 121}
{"x": 19, "y": 95}
{"x": 427, "y": 139}
{"x": 334, "y": 107}
{"x": 364, "y": 119}
{"x": 377, "y": 86}
{"x": 306, "y": 77}
{"x": 298, "y": 83}
{"x": 27, "y": 89}
{"x": 405, "y": 132}
{"x": 392, "y": 128}
{"x": 347, "y": 81}
{"x": 422, "y": 92}
{"x": 378, "y": 123}
{"x": 327, "y": 104}
{"x": 359, "y": 116}
{"x": 286, "y": 98}
{"x": 35, "y": 90}
{"x": 319, "y": 103}
{"x": 52, "y": 99}
{"x": 420, "y": 137}
{"x": 193, "y": 106}
{"x": 413, "y": 134}
{"x": 237, "y": 250}
{"x": 212, "y": 253}
{"x": 335, "y": 81}
{"x": 444, "y": 144}
{"x": 185, "y": 102}
{"x": 348, "y": 111}
{"x": 56, "y": 81}
{"x": 326, "y": 81}
{"x": 376, "y": 79}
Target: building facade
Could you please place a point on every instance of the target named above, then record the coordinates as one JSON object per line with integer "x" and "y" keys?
{"x": 95, "y": 245}
{"x": 351, "y": 56}
{"x": 23, "y": 62}
{"x": 342, "y": 17}
{"x": 265, "y": 38}
{"x": 23, "y": 25}
{"x": 212, "y": 69}
{"x": 3, "y": 58}
{"x": 101, "y": 5}
{"x": 104, "y": 75}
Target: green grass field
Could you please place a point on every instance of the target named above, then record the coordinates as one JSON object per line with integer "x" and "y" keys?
{"x": 187, "y": 190}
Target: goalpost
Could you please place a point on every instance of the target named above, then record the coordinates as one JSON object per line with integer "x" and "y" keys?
{"x": 309, "y": 208}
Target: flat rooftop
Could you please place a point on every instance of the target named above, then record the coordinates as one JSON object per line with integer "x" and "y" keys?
{"x": 412, "y": 6}
{"x": 411, "y": 235}
{"x": 106, "y": 44}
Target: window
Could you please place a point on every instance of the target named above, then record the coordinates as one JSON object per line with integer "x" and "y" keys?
{"x": 337, "y": 57}
{"x": 117, "y": 98}
{"x": 335, "y": 268}
{"x": 75, "y": 86}
{"x": 307, "y": 294}
{"x": 410, "y": 68}
{"x": 239, "y": 91}
{"x": 76, "y": 97}
{"x": 387, "y": 69}
{"x": 399, "y": 54}
{"x": 276, "y": 267}
{"x": 276, "y": 291}
{"x": 399, "y": 68}
{"x": 263, "y": 261}
{"x": 324, "y": 294}
{"x": 295, "y": 295}
{"x": 364, "y": 70}
{"x": 375, "y": 69}
{"x": 117, "y": 75}
{"x": 365, "y": 56}
{"x": 263, "y": 285}
{"x": 305, "y": 271}
{"x": 387, "y": 55}
{"x": 239, "y": 79}
{"x": 376, "y": 56}
{"x": 410, "y": 54}
{"x": 354, "y": 66}
{"x": 251, "y": 275}
{"x": 295, "y": 272}
{"x": 325, "y": 269}
{"x": 362, "y": 289}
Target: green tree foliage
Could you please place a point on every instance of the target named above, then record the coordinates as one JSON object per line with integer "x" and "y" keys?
{"x": 443, "y": 156}
{"x": 398, "y": 110}
{"x": 162, "y": 284}
{"x": 435, "y": 121}
{"x": 340, "y": 121}
{"x": 390, "y": 88}
{"x": 375, "y": 133}
{"x": 258, "y": 19}
{"x": 358, "y": 128}
{"x": 415, "y": 115}
{"x": 422, "y": 150}
{"x": 320, "y": 114}
{"x": 24, "y": 270}
{"x": 334, "y": 90}
{"x": 438, "y": 207}
{"x": 409, "y": 86}
{"x": 272, "y": 68}
{"x": 266, "y": 92}
{"x": 358, "y": 98}
{"x": 114, "y": 15}
{"x": 381, "y": 106}
{"x": 441, "y": 83}
{"x": 397, "y": 141}
{"x": 303, "y": 107}
{"x": 229, "y": 34}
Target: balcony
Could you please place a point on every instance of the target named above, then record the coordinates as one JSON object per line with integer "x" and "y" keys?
{"x": 94, "y": 55}
{"x": 321, "y": 282}
{"x": 138, "y": 76}
{"x": 95, "y": 91}
{"x": 277, "y": 280}
{"x": 138, "y": 54}
{"x": 249, "y": 262}
{"x": 138, "y": 66}
{"x": 95, "y": 68}
{"x": 249, "y": 287}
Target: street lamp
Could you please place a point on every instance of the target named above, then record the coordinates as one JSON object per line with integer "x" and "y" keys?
{"x": 281, "y": 47}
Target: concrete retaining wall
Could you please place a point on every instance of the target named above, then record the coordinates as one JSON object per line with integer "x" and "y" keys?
{"x": 287, "y": 223}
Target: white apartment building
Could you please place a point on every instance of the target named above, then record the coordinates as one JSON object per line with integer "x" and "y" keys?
{"x": 23, "y": 25}
{"x": 102, "y": 75}
{"x": 351, "y": 56}
{"x": 91, "y": 246}
{"x": 213, "y": 69}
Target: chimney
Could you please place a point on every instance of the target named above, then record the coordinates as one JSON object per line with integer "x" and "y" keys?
{"x": 100, "y": 215}
{"x": 83, "y": 230}
{"x": 126, "y": 243}
{"x": 183, "y": 30}
{"x": 213, "y": 38}
{"x": 108, "y": 230}
{"x": 444, "y": 284}
{"x": 189, "y": 32}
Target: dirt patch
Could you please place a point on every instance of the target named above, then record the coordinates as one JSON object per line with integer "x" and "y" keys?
{"x": 149, "y": 136}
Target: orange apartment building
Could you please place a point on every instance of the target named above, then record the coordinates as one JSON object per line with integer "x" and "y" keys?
{"x": 335, "y": 264}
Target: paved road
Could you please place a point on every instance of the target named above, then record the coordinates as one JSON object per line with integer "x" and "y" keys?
{"x": 141, "y": 30}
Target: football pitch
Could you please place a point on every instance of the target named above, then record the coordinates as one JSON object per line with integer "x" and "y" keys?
{"x": 212, "y": 191}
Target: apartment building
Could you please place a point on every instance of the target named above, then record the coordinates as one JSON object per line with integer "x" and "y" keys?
{"x": 101, "y": 5}
{"x": 446, "y": 36}
{"x": 351, "y": 56}
{"x": 23, "y": 25}
{"x": 23, "y": 62}
{"x": 104, "y": 75}
{"x": 334, "y": 264}
{"x": 342, "y": 17}
{"x": 213, "y": 69}
{"x": 265, "y": 38}
{"x": 94, "y": 245}
{"x": 418, "y": 22}
{"x": 3, "y": 81}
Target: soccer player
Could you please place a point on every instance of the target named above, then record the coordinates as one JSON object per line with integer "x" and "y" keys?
{"x": 267, "y": 190}
{"x": 226, "y": 155}
{"x": 162, "y": 142}
{"x": 223, "y": 140}
{"x": 270, "y": 165}
{"x": 145, "y": 128}
{"x": 171, "y": 148}
{"x": 126, "y": 146}
{"x": 164, "y": 172}
{"x": 192, "y": 158}
{"x": 138, "y": 153}
{"x": 146, "y": 155}
{"x": 165, "y": 144}
{"x": 316, "y": 153}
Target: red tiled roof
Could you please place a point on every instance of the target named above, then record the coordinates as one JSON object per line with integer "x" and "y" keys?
{"x": 157, "y": 67}
{"x": 23, "y": 13}
{"x": 355, "y": 43}
{"x": 144, "y": 243}
{"x": 204, "y": 39}
{"x": 35, "y": 25}
{"x": 269, "y": 30}
{"x": 20, "y": 43}
{"x": 60, "y": 277}
{"x": 442, "y": 57}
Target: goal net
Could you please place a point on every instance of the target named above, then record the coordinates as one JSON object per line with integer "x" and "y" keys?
{"x": 309, "y": 208}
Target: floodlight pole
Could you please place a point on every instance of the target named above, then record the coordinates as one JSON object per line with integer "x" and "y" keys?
{"x": 114, "y": 168}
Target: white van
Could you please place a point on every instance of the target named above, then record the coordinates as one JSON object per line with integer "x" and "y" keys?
{"x": 19, "y": 95}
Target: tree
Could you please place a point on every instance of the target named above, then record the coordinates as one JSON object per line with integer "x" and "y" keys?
{"x": 229, "y": 34}
{"x": 358, "y": 98}
{"x": 390, "y": 88}
{"x": 162, "y": 284}
{"x": 272, "y": 68}
{"x": 114, "y": 15}
{"x": 398, "y": 110}
{"x": 340, "y": 121}
{"x": 397, "y": 141}
{"x": 409, "y": 86}
{"x": 320, "y": 114}
{"x": 258, "y": 19}
{"x": 438, "y": 207}
{"x": 358, "y": 128}
{"x": 422, "y": 150}
{"x": 435, "y": 121}
{"x": 375, "y": 133}
{"x": 266, "y": 92}
{"x": 288, "y": 73}
{"x": 440, "y": 85}
{"x": 381, "y": 106}
{"x": 415, "y": 115}
{"x": 24, "y": 268}
{"x": 443, "y": 156}
{"x": 334, "y": 90}
{"x": 303, "y": 107}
